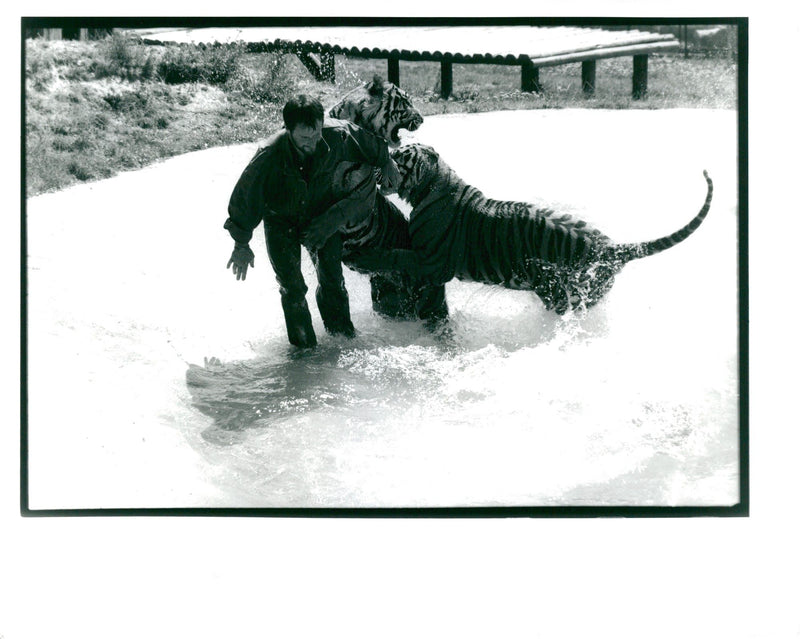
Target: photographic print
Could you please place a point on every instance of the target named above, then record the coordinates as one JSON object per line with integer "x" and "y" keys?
{"x": 385, "y": 267}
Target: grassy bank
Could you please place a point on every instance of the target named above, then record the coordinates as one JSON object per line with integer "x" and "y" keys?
{"x": 94, "y": 109}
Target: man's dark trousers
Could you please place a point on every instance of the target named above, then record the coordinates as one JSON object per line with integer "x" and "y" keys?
{"x": 283, "y": 247}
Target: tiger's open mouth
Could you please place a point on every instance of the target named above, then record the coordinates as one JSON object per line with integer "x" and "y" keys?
{"x": 410, "y": 124}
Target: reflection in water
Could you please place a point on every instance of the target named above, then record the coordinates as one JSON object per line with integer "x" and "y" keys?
{"x": 341, "y": 376}
{"x": 239, "y": 394}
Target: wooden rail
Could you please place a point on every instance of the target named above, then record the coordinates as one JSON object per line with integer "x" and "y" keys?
{"x": 530, "y": 48}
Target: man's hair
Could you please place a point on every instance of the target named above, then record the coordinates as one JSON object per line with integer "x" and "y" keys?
{"x": 302, "y": 109}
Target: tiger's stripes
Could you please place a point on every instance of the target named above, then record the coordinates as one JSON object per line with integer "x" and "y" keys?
{"x": 383, "y": 109}
{"x": 456, "y": 232}
{"x": 380, "y": 107}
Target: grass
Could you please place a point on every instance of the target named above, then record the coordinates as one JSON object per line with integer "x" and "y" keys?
{"x": 94, "y": 109}
{"x": 673, "y": 82}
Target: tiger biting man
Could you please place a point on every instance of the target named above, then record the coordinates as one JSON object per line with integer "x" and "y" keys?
{"x": 383, "y": 109}
{"x": 457, "y": 232}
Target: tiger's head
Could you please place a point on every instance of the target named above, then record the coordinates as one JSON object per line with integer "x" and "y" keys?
{"x": 420, "y": 169}
{"x": 380, "y": 107}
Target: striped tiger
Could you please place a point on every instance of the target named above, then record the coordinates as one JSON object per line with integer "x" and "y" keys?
{"x": 383, "y": 109}
{"x": 380, "y": 107}
{"x": 456, "y": 232}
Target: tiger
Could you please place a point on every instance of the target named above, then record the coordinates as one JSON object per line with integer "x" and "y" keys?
{"x": 379, "y": 107}
{"x": 457, "y": 232}
{"x": 383, "y": 109}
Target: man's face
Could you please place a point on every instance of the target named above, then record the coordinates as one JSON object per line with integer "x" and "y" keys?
{"x": 306, "y": 138}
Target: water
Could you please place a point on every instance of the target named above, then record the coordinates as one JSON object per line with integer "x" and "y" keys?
{"x": 534, "y": 411}
{"x": 158, "y": 380}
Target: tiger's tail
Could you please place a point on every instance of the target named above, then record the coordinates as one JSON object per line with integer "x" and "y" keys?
{"x": 627, "y": 252}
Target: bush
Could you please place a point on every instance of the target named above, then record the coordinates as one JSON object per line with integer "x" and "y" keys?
{"x": 40, "y": 65}
{"x": 125, "y": 58}
{"x": 80, "y": 171}
{"x": 127, "y": 102}
{"x": 466, "y": 94}
{"x": 180, "y": 65}
{"x": 149, "y": 68}
{"x": 101, "y": 121}
{"x": 274, "y": 82}
{"x": 121, "y": 51}
{"x": 62, "y": 126}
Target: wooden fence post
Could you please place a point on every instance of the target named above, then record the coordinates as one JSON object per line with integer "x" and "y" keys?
{"x": 588, "y": 74}
{"x": 685, "y": 41}
{"x": 393, "y": 71}
{"x": 447, "y": 79}
{"x": 530, "y": 77}
{"x": 639, "y": 77}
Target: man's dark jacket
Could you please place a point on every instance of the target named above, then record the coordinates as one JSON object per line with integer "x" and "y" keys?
{"x": 272, "y": 188}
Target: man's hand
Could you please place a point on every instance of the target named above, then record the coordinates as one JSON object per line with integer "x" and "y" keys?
{"x": 391, "y": 178}
{"x": 241, "y": 258}
{"x": 320, "y": 229}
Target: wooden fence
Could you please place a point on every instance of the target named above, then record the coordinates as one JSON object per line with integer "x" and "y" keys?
{"x": 527, "y": 47}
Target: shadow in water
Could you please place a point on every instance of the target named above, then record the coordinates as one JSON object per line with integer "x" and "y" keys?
{"x": 243, "y": 394}
{"x": 377, "y": 372}
{"x": 335, "y": 377}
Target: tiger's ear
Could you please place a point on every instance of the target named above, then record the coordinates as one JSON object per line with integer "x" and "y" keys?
{"x": 375, "y": 88}
{"x": 349, "y": 111}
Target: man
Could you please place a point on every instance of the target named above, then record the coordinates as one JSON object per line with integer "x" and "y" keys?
{"x": 289, "y": 185}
